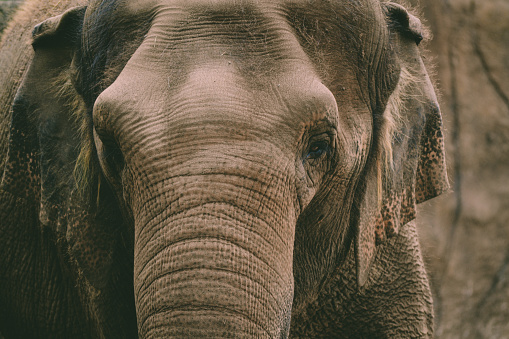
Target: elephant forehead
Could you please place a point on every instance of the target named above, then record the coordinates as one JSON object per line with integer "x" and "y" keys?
{"x": 221, "y": 99}
{"x": 260, "y": 39}
{"x": 244, "y": 28}
{"x": 251, "y": 63}
{"x": 234, "y": 6}
{"x": 137, "y": 6}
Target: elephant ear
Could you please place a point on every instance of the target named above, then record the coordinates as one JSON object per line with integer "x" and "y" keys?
{"x": 42, "y": 141}
{"x": 408, "y": 164}
{"x": 45, "y": 141}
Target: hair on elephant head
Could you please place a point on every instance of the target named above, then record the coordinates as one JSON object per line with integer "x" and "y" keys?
{"x": 213, "y": 161}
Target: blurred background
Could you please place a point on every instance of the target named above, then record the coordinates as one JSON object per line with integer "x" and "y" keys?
{"x": 465, "y": 233}
{"x": 6, "y": 9}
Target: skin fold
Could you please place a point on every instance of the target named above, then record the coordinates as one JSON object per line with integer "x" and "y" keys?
{"x": 216, "y": 169}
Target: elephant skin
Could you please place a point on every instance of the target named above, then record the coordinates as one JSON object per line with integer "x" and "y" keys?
{"x": 215, "y": 169}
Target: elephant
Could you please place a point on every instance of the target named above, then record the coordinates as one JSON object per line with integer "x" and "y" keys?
{"x": 215, "y": 169}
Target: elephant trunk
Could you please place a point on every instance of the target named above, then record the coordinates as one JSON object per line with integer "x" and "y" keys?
{"x": 215, "y": 266}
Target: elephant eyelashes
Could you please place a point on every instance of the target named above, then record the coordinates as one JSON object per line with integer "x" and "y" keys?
{"x": 109, "y": 153}
{"x": 318, "y": 149}
{"x": 319, "y": 146}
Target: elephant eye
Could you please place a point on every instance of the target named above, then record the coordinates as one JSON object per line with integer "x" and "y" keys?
{"x": 109, "y": 150}
{"x": 317, "y": 149}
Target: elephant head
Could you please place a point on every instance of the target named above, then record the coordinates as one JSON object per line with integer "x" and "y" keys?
{"x": 213, "y": 161}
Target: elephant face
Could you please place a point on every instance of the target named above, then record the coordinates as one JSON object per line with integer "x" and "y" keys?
{"x": 220, "y": 164}
{"x": 233, "y": 150}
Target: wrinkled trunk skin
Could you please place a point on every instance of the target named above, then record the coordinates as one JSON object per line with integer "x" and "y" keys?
{"x": 217, "y": 262}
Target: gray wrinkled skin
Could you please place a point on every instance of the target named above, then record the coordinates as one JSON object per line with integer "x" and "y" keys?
{"x": 215, "y": 169}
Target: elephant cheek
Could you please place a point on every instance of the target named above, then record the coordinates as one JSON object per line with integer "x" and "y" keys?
{"x": 214, "y": 270}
